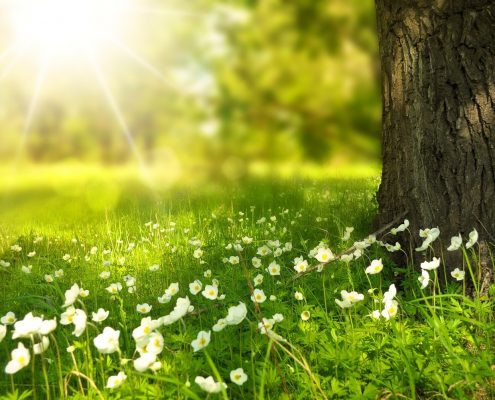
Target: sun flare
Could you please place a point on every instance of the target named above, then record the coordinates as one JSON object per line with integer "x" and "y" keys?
{"x": 64, "y": 28}
{"x": 59, "y": 36}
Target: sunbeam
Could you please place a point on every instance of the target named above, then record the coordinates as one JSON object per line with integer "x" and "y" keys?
{"x": 145, "y": 64}
{"x": 40, "y": 79}
{"x": 102, "y": 82}
{"x": 15, "y": 53}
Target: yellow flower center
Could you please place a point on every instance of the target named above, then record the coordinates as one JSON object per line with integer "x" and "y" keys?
{"x": 21, "y": 360}
{"x": 202, "y": 341}
{"x": 147, "y": 329}
{"x": 211, "y": 293}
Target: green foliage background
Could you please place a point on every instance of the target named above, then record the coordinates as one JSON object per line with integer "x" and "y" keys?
{"x": 253, "y": 81}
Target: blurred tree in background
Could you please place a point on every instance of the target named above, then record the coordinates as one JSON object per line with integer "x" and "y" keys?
{"x": 243, "y": 81}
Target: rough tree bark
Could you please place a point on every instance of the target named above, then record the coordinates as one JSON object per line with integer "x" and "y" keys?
{"x": 438, "y": 93}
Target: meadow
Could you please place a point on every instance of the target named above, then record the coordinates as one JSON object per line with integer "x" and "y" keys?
{"x": 198, "y": 290}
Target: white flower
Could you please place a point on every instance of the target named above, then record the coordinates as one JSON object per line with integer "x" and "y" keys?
{"x": 8, "y": 319}
{"x": 142, "y": 332}
{"x": 429, "y": 233}
{"x": 16, "y": 248}
{"x": 27, "y": 327}
{"x": 457, "y": 274}
{"x": 357, "y": 253}
{"x": 41, "y": 346}
{"x": 154, "y": 267}
{"x": 144, "y": 362}
{"x": 305, "y": 315}
{"x": 401, "y": 228}
{"x": 278, "y": 317}
{"x": 375, "y": 314}
{"x": 263, "y": 251}
{"x": 207, "y": 273}
{"x": 201, "y": 341}
{"x": 59, "y": 273}
{"x": 274, "y": 268}
{"x": 238, "y": 376}
{"x": 473, "y": 238}
{"x": 390, "y": 309}
{"x": 108, "y": 341}
{"x": 391, "y": 249}
{"x": 210, "y": 292}
{"x": 258, "y": 280}
{"x": 247, "y": 240}
{"x": 351, "y": 297}
{"x": 234, "y": 260}
{"x": 31, "y": 254}
{"x": 324, "y": 255}
{"x": 347, "y": 233}
{"x": 165, "y": 298}
{"x": 238, "y": 247}
{"x": 426, "y": 243}
{"x": 258, "y": 296}
{"x": 144, "y": 308}
{"x": 273, "y": 297}
{"x": 71, "y": 295}
{"x": 209, "y": 385}
{"x": 390, "y": 294}
{"x": 129, "y": 280}
{"x": 27, "y": 270}
{"x": 173, "y": 289}
{"x": 266, "y": 325}
{"x": 431, "y": 265}
{"x": 424, "y": 279}
{"x": 48, "y": 278}
{"x": 236, "y": 314}
{"x": 116, "y": 380}
{"x": 198, "y": 253}
{"x": 430, "y": 236}
{"x": 455, "y": 243}
{"x": 301, "y": 265}
{"x": 274, "y": 244}
{"x": 220, "y": 325}
{"x": 114, "y": 288}
{"x": 3, "y": 332}
{"x": 155, "y": 343}
{"x": 181, "y": 308}
{"x": 298, "y": 296}
{"x": 79, "y": 321}
{"x": 100, "y": 316}
{"x": 375, "y": 267}
{"x": 104, "y": 274}
{"x": 20, "y": 359}
{"x": 256, "y": 262}
{"x": 195, "y": 287}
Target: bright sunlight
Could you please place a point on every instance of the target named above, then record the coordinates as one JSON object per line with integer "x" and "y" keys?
{"x": 66, "y": 28}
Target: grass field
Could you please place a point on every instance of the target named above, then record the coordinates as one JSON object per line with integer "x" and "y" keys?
{"x": 293, "y": 342}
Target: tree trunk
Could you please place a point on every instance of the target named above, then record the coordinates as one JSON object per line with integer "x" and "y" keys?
{"x": 438, "y": 93}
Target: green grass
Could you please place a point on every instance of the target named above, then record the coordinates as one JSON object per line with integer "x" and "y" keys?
{"x": 439, "y": 345}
